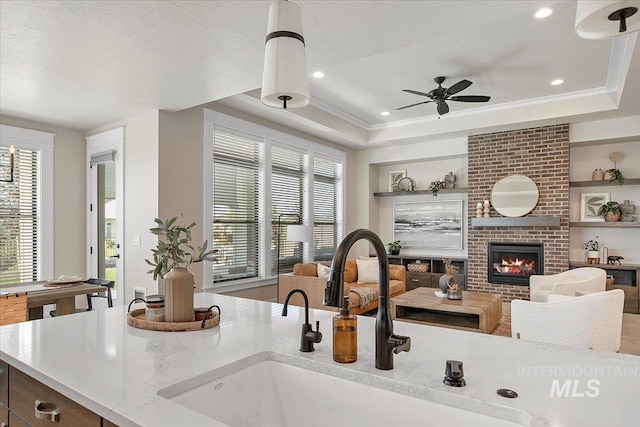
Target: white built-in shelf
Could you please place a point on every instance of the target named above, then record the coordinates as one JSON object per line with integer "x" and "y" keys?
{"x": 524, "y": 221}
{"x": 627, "y": 181}
{"x": 617, "y": 224}
{"x": 419, "y": 192}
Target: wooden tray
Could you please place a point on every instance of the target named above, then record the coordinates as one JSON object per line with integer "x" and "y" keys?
{"x": 137, "y": 319}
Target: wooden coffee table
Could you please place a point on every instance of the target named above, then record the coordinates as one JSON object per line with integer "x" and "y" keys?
{"x": 476, "y": 311}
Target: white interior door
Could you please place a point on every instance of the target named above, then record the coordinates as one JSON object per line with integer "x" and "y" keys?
{"x": 105, "y": 221}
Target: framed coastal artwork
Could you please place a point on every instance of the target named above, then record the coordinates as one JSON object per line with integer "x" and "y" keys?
{"x": 395, "y": 177}
{"x": 590, "y": 204}
{"x": 432, "y": 225}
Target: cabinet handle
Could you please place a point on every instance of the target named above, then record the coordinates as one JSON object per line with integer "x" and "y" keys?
{"x": 415, "y": 280}
{"x": 47, "y": 411}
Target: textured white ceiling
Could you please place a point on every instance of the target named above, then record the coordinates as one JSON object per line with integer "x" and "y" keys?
{"x": 84, "y": 64}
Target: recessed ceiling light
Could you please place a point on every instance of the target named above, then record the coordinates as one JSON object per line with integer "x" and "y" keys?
{"x": 543, "y": 13}
{"x": 318, "y": 74}
{"x": 385, "y": 113}
{"x": 557, "y": 82}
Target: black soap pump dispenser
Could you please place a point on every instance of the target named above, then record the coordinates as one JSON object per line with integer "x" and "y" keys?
{"x": 345, "y": 335}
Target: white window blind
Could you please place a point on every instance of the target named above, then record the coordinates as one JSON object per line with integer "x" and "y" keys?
{"x": 237, "y": 162}
{"x": 20, "y": 217}
{"x": 327, "y": 211}
{"x": 288, "y": 170}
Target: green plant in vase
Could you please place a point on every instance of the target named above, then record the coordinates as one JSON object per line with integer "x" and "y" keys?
{"x": 176, "y": 249}
{"x": 610, "y": 211}
{"x": 171, "y": 257}
{"x": 615, "y": 175}
{"x": 394, "y": 247}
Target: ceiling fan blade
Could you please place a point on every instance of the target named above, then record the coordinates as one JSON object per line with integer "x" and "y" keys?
{"x": 460, "y": 86}
{"x": 443, "y": 108}
{"x": 415, "y": 92}
{"x": 413, "y": 105}
{"x": 470, "y": 98}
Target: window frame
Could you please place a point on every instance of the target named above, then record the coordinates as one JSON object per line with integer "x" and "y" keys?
{"x": 214, "y": 119}
{"x": 44, "y": 142}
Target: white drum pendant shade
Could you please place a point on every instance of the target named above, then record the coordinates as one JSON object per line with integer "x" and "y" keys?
{"x": 284, "y": 79}
{"x": 593, "y": 18}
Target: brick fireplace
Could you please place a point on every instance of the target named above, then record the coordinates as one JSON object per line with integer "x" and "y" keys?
{"x": 542, "y": 154}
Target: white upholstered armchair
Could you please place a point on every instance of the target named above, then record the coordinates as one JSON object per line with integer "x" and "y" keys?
{"x": 583, "y": 280}
{"x": 592, "y": 321}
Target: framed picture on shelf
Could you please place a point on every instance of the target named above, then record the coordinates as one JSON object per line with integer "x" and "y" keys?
{"x": 432, "y": 225}
{"x": 590, "y": 204}
{"x": 395, "y": 177}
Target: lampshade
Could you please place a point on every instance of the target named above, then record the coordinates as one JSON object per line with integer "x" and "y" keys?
{"x": 299, "y": 233}
{"x": 602, "y": 19}
{"x": 284, "y": 78}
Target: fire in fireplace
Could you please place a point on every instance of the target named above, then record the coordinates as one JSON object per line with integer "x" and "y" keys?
{"x": 513, "y": 263}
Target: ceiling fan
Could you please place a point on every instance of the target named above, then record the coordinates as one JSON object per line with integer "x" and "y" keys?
{"x": 441, "y": 94}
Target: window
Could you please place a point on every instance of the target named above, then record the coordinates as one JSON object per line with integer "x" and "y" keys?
{"x": 26, "y": 206}
{"x": 237, "y": 163}
{"x": 303, "y": 185}
{"x": 327, "y": 208}
{"x": 288, "y": 170}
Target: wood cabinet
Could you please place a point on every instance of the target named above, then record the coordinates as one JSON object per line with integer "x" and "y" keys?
{"x": 19, "y": 397}
{"x": 435, "y": 270}
{"x": 627, "y": 278}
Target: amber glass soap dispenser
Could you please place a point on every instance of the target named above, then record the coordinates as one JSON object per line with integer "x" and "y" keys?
{"x": 345, "y": 335}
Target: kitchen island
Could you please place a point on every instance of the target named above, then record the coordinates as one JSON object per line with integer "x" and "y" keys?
{"x": 116, "y": 371}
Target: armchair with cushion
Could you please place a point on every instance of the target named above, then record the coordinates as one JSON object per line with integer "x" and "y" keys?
{"x": 358, "y": 285}
{"x": 583, "y": 280}
{"x": 592, "y": 321}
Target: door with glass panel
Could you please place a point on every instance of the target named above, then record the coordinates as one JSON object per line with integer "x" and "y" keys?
{"x": 105, "y": 229}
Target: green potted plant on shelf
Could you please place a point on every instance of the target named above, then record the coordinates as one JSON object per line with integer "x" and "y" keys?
{"x": 171, "y": 259}
{"x": 394, "y": 247}
{"x": 610, "y": 211}
{"x": 592, "y": 247}
{"x": 614, "y": 175}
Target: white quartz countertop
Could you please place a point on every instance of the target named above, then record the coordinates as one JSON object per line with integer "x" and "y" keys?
{"x": 115, "y": 370}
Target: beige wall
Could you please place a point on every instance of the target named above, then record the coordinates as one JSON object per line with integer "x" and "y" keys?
{"x": 181, "y": 173}
{"x": 140, "y": 197}
{"x": 69, "y": 198}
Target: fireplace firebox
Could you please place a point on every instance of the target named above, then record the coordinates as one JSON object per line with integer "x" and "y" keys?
{"x": 512, "y": 263}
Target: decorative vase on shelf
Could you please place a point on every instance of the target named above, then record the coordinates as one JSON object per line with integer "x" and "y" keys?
{"x": 598, "y": 175}
{"x": 627, "y": 210}
{"x": 593, "y": 257}
{"x": 445, "y": 281}
{"x": 178, "y": 297}
{"x": 612, "y": 217}
{"x": 450, "y": 180}
{"x": 607, "y": 176}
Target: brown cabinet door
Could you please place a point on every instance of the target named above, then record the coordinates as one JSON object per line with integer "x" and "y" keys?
{"x": 417, "y": 280}
{"x": 4, "y": 416}
{"x": 15, "y": 421}
{"x": 4, "y": 384}
{"x": 53, "y": 408}
{"x": 107, "y": 423}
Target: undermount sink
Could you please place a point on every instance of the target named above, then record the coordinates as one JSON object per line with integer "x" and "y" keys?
{"x": 277, "y": 393}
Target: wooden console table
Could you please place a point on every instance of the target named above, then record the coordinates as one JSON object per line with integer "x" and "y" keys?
{"x": 63, "y": 297}
{"x": 476, "y": 311}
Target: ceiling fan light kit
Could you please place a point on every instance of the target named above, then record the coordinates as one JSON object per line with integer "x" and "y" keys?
{"x": 441, "y": 95}
{"x": 284, "y": 77}
{"x": 602, "y": 19}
